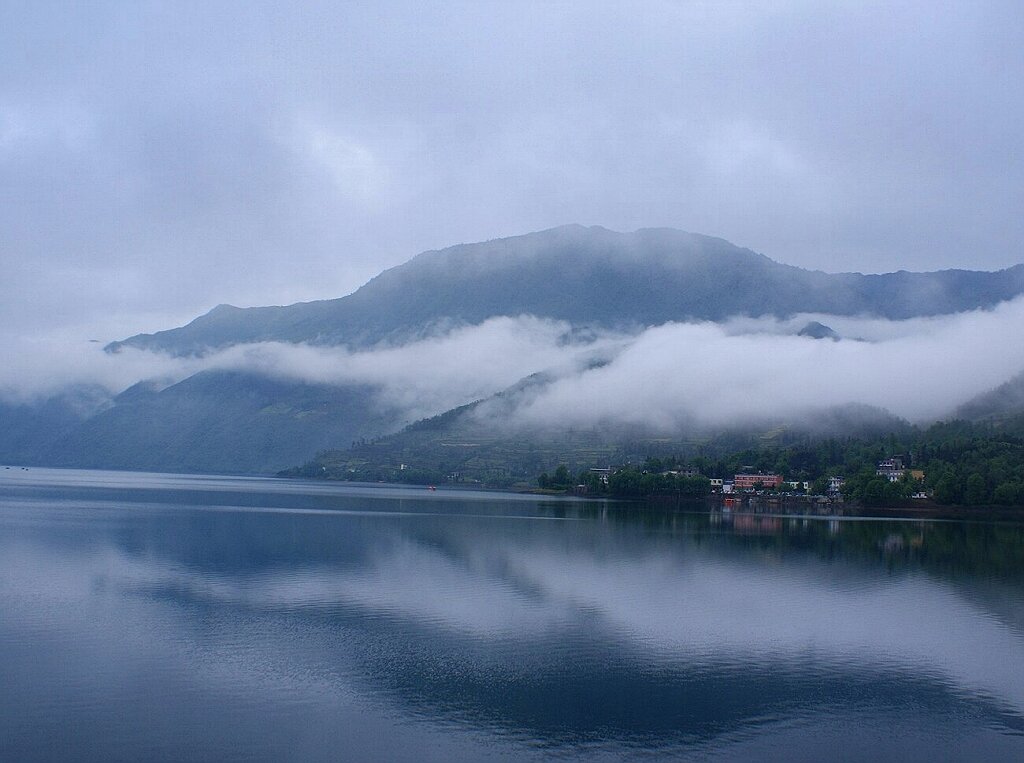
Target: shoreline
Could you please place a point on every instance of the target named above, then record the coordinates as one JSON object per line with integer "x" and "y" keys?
{"x": 808, "y": 506}
{"x": 745, "y": 504}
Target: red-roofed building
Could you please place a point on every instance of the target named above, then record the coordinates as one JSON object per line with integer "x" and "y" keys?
{"x": 750, "y": 481}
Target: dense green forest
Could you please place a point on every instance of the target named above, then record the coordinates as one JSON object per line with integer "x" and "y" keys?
{"x": 963, "y": 463}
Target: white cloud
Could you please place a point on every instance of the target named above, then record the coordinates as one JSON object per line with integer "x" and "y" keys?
{"x": 353, "y": 168}
{"x": 433, "y": 374}
{"x": 743, "y": 370}
{"x": 920, "y": 369}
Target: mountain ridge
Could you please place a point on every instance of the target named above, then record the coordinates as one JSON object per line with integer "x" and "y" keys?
{"x": 584, "y": 276}
{"x": 587, "y": 277}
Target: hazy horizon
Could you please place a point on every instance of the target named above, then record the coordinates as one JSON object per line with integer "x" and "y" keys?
{"x": 158, "y": 160}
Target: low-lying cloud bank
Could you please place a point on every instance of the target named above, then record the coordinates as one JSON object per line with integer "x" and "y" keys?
{"x": 713, "y": 374}
{"x": 443, "y": 370}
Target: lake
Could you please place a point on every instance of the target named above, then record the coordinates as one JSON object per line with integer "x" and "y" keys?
{"x": 171, "y": 617}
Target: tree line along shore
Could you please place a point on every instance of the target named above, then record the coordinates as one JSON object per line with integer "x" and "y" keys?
{"x": 958, "y": 463}
{"x": 953, "y": 464}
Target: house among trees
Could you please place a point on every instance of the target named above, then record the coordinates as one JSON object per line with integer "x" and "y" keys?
{"x": 891, "y": 468}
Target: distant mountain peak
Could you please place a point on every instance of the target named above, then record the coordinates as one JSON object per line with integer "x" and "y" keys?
{"x": 816, "y": 330}
{"x": 584, "y": 275}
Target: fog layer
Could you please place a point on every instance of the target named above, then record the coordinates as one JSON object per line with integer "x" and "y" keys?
{"x": 714, "y": 374}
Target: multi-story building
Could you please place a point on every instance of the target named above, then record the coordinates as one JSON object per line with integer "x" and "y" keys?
{"x": 751, "y": 481}
{"x": 891, "y": 468}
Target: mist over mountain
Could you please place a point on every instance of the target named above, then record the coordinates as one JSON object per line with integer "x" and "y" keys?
{"x": 586, "y": 276}
{"x": 486, "y": 441}
{"x": 572, "y": 335}
{"x": 30, "y": 429}
{"x": 218, "y": 421}
{"x": 1004, "y": 401}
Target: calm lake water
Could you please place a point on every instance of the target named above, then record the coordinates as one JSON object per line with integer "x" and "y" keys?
{"x": 161, "y": 617}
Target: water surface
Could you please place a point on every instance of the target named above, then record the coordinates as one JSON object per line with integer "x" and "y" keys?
{"x": 165, "y": 617}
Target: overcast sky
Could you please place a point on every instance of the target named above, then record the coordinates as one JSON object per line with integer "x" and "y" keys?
{"x": 158, "y": 158}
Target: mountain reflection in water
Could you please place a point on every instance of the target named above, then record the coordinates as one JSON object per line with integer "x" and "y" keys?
{"x": 160, "y": 617}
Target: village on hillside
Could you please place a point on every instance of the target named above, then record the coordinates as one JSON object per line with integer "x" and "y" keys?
{"x": 689, "y": 481}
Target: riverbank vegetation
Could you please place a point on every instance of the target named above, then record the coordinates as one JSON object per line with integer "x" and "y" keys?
{"x": 959, "y": 463}
{"x": 955, "y": 463}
